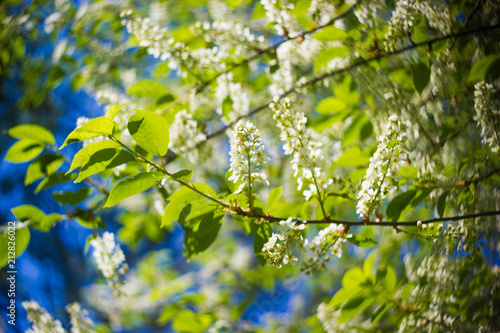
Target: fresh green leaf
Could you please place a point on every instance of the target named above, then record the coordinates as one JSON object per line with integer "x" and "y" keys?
{"x": 261, "y": 232}
{"x": 399, "y": 203}
{"x": 21, "y": 237}
{"x": 54, "y": 179}
{"x": 441, "y": 204}
{"x": 82, "y": 157}
{"x": 24, "y": 150}
{"x": 45, "y": 165}
{"x": 481, "y": 67}
{"x": 181, "y": 175}
{"x": 362, "y": 241}
{"x": 330, "y": 34}
{"x": 113, "y": 111}
{"x": 71, "y": 198}
{"x": 95, "y": 127}
{"x": 150, "y": 131}
{"x": 274, "y": 197}
{"x": 32, "y": 132}
{"x": 421, "y": 76}
{"x": 353, "y": 157}
{"x": 104, "y": 159}
{"x": 147, "y": 88}
{"x": 131, "y": 185}
{"x": 330, "y": 105}
{"x": 408, "y": 171}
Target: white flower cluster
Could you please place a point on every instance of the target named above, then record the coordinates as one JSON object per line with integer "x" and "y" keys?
{"x": 383, "y": 165}
{"x": 327, "y": 243}
{"x": 247, "y": 155}
{"x": 322, "y": 11}
{"x": 279, "y": 12}
{"x": 227, "y": 88}
{"x": 160, "y": 45}
{"x": 487, "y": 115}
{"x": 329, "y": 317}
{"x": 277, "y": 251}
{"x": 303, "y": 144}
{"x": 109, "y": 258}
{"x": 313, "y": 255}
{"x": 228, "y": 35}
{"x": 369, "y": 12}
{"x": 42, "y": 321}
{"x": 80, "y": 321}
{"x": 436, "y": 12}
{"x": 184, "y": 135}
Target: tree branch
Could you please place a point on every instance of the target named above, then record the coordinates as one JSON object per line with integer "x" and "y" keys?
{"x": 362, "y": 62}
{"x": 275, "y": 46}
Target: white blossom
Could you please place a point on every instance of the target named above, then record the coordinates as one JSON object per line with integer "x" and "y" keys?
{"x": 277, "y": 250}
{"x": 487, "y": 115}
{"x": 383, "y": 165}
{"x": 327, "y": 243}
{"x": 80, "y": 321}
{"x": 302, "y": 143}
{"x": 247, "y": 156}
{"x": 109, "y": 258}
{"x": 184, "y": 135}
{"x": 42, "y": 321}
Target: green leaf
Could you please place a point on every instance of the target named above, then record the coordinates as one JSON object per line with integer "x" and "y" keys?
{"x": 180, "y": 199}
{"x": 24, "y": 150}
{"x": 202, "y": 233}
{"x": 190, "y": 322}
{"x": 82, "y": 157}
{"x": 342, "y": 195}
{"x": 347, "y": 91}
{"x": 355, "y": 306}
{"x": 104, "y": 159}
{"x": 353, "y": 157}
{"x": 379, "y": 312}
{"x": 362, "y": 241}
{"x": 21, "y": 237}
{"x": 43, "y": 166}
{"x": 95, "y": 127}
{"x": 54, "y": 179}
{"x": 399, "y": 203}
{"x": 421, "y": 76}
{"x": 33, "y": 132}
{"x": 330, "y": 104}
{"x": 113, "y": 111}
{"x": 147, "y": 88}
{"x": 54, "y": 78}
{"x": 261, "y": 232}
{"x": 71, "y": 198}
{"x": 181, "y": 175}
{"x": 274, "y": 197}
{"x": 407, "y": 291}
{"x": 409, "y": 172}
{"x": 388, "y": 278}
{"x": 441, "y": 204}
{"x": 368, "y": 265}
{"x": 132, "y": 185}
{"x": 330, "y": 34}
{"x": 353, "y": 278}
{"x": 243, "y": 222}
{"x": 482, "y": 67}
{"x": 37, "y": 218}
{"x": 150, "y": 131}
{"x": 227, "y": 107}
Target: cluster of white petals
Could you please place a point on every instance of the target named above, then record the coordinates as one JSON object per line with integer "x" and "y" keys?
{"x": 226, "y": 88}
{"x": 184, "y": 134}
{"x": 403, "y": 19}
{"x": 228, "y": 35}
{"x": 247, "y": 156}
{"x": 279, "y": 12}
{"x": 109, "y": 258}
{"x": 160, "y": 45}
{"x": 42, "y": 321}
{"x": 487, "y": 115}
{"x": 277, "y": 251}
{"x": 302, "y": 143}
{"x": 322, "y": 11}
{"x": 383, "y": 165}
{"x": 327, "y": 243}
{"x": 79, "y": 317}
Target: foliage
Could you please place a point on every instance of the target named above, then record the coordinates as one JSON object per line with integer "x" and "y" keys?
{"x": 275, "y": 134}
